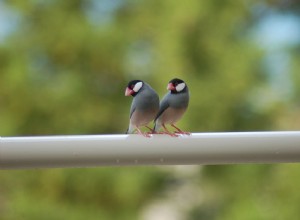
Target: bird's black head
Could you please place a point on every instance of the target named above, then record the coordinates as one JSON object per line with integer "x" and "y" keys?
{"x": 133, "y": 87}
{"x": 176, "y": 85}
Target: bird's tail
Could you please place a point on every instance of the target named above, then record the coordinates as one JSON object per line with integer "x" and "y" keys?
{"x": 130, "y": 129}
{"x": 157, "y": 126}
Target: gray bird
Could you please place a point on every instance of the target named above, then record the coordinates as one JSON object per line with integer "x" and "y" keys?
{"x": 144, "y": 107}
{"x": 172, "y": 107}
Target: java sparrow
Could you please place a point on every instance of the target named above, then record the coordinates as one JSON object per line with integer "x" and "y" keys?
{"x": 144, "y": 107}
{"x": 172, "y": 107}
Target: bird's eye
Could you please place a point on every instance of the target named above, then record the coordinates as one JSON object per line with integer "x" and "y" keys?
{"x": 131, "y": 86}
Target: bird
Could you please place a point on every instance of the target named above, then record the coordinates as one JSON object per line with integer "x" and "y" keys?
{"x": 144, "y": 106}
{"x": 172, "y": 107}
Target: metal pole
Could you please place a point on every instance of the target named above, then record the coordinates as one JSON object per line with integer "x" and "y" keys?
{"x": 119, "y": 150}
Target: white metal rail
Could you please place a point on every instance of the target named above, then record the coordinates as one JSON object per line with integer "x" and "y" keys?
{"x": 119, "y": 150}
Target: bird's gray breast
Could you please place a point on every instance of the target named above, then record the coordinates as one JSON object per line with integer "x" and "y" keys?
{"x": 179, "y": 100}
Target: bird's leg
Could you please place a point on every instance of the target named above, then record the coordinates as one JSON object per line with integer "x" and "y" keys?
{"x": 151, "y": 130}
{"x": 168, "y": 132}
{"x": 144, "y": 134}
{"x": 180, "y": 131}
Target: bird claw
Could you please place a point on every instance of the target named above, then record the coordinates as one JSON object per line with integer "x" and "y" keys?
{"x": 173, "y": 135}
{"x": 182, "y": 132}
{"x": 168, "y": 133}
{"x": 147, "y": 134}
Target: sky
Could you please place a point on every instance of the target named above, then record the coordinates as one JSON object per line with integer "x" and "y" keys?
{"x": 8, "y": 20}
{"x": 277, "y": 33}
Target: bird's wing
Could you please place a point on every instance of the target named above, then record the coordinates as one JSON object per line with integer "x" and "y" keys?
{"x": 162, "y": 107}
{"x": 132, "y": 110}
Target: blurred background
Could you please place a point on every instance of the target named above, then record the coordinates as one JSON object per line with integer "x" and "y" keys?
{"x": 64, "y": 66}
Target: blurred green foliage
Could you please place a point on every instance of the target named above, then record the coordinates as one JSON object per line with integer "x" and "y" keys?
{"x": 64, "y": 66}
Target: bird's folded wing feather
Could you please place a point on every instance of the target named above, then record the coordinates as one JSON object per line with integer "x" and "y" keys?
{"x": 132, "y": 110}
{"x": 163, "y": 106}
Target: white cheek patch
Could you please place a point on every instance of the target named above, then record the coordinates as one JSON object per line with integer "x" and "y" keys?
{"x": 180, "y": 87}
{"x": 137, "y": 86}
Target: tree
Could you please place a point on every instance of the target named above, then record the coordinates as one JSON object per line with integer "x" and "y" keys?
{"x": 64, "y": 67}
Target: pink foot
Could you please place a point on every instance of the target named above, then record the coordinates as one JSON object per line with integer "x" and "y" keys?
{"x": 169, "y": 133}
{"x": 182, "y": 132}
{"x": 146, "y": 134}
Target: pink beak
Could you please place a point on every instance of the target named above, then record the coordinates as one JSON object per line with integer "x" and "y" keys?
{"x": 171, "y": 86}
{"x": 128, "y": 92}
